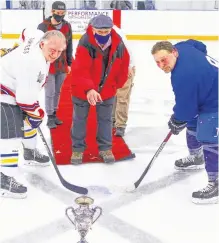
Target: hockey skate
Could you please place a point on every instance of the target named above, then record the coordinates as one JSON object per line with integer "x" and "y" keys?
{"x": 207, "y": 195}
{"x": 34, "y": 157}
{"x": 107, "y": 156}
{"x": 10, "y": 188}
{"x": 191, "y": 162}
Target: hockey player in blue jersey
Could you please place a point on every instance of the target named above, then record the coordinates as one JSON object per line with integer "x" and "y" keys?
{"x": 194, "y": 79}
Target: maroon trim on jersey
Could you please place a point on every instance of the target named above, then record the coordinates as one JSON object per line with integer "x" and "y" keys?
{"x": 29, "y": 108}
{"x": 22, "y": 35}
{"x": 6, "y": 91}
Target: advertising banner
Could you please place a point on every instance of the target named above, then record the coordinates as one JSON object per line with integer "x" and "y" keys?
{"x": 79, "y": 19}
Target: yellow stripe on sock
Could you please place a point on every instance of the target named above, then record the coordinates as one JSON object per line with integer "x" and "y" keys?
{"x": 30, "y": 133}
{"x": 9, "y": 161}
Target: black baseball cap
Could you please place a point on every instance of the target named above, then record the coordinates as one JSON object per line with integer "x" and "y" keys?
{"x": 58, "y": 5}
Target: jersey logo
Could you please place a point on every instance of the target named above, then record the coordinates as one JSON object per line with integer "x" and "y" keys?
{"x": 212, "y": 61}
{"x": 40, "y": 77}
{"x": 27, "y": 47}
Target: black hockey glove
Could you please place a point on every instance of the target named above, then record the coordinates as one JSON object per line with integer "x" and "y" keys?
{"x": 176, "y": 126}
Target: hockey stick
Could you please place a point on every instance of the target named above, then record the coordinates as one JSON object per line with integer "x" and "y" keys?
{"x": 137, "y": 183}
{"x": 71, "y": 187}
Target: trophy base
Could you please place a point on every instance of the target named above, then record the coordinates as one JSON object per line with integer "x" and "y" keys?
{"x": 82, "y": 241}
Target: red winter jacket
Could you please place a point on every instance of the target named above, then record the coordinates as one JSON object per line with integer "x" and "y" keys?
{"x": 88, "y": 67}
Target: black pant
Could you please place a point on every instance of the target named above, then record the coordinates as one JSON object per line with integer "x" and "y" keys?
{"x": 104, "y": 121}
{"x": 11, "y": 121}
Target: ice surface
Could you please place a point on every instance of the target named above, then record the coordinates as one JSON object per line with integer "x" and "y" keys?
{"x": 160, "y": 211}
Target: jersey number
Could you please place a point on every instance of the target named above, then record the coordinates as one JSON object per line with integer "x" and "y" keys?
{"x": 212, "y": 61}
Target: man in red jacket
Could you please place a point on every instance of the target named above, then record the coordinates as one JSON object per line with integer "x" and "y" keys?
{"x": 100, "y": 68}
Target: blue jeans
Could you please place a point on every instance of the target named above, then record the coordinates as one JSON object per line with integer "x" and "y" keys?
{"x": 104, "y": 120}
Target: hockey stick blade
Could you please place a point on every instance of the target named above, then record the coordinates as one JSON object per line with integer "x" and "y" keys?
{"x": 66, "y": 184}
{"x": 137, "y": 183}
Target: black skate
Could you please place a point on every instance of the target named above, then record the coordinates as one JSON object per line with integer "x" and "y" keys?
{"x": 34, "y": 157}
{"x": 10, "y": 188}
{"x": 207, "y": 195}
{"x": 191, "y": 162}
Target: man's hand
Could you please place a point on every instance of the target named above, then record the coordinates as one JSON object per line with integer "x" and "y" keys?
{"x": 93, "y": 97}
{"x": 69, "y": 70}
{"x": 131, "y": 72}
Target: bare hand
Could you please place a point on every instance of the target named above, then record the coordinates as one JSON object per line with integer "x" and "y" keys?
{"x": 93, "y": 97}
{"x": 69, "y": 70}
{"x": 131, "y": 72}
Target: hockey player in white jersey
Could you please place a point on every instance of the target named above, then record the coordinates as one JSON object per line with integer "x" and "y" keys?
{"x": 23, "y": 74}
{"x": 32, "y": 155}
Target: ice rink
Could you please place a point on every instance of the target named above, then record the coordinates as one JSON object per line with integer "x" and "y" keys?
{"x": 160, "y": 211}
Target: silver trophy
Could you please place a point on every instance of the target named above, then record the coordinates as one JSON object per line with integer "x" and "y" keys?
{"x": 83, "y": 217}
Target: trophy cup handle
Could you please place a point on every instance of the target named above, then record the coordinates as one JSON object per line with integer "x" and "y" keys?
{"x": 73, "y": 211}
{"x": 100, "y": 212}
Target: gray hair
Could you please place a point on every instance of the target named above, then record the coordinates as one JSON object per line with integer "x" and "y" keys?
{"x": 162, "y": 45}
{"x": 53, "y": 33}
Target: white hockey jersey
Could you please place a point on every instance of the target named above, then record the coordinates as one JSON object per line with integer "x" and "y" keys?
{"x": 32, "y": 33}
{"x": 23, "y": 74}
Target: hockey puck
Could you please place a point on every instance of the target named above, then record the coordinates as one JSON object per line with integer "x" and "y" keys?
{"x": 130, "y": 188}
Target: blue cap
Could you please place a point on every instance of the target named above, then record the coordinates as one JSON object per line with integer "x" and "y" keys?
{"x": 101, "y": 22}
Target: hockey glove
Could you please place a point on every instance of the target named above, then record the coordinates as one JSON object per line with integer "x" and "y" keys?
{"x": 176, "y": 126}
{"x": 3, "y": 51}
{"x": 33, "y": 120}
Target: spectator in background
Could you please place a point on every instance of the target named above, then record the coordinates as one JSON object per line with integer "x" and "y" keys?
{"x": 32, "y": 4}
{"x": 149, "y": 5}
{"x": 91, "y": 5}
{"x": 123, "y": 5}
{"x": 145, "y": 5}
{"x": 61, "y": 66}
{"x": 122, "y": 99}
{"x": 100, "y": 68}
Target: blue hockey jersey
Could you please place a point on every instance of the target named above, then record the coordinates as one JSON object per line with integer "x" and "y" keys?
{"x": 194, "y": 80}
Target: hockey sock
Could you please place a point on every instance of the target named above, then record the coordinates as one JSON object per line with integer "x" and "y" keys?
{"x": 195, "y": 147}
{"x": 9, "y": 153}
{"x": 211, "y": 161}
{"x": 30, "y": 137}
